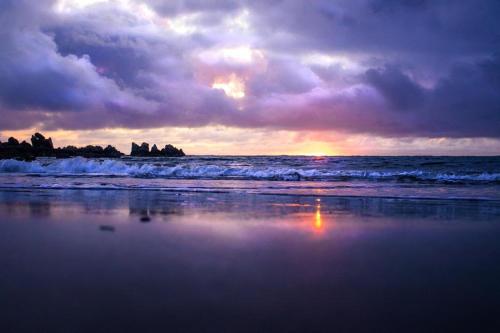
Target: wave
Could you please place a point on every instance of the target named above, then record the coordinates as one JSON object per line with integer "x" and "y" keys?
{"x": 195, "y": 170}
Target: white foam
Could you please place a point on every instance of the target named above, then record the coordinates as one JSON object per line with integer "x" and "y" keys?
{"x": 196, "y": 169}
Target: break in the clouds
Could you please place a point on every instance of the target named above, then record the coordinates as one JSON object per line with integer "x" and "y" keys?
{"x": 411, "y": 68}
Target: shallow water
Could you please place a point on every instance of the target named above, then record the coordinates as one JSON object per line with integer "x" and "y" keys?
{"x": 156, "y": 261}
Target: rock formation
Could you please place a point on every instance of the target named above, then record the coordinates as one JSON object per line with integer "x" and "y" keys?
{"x": 12, "y": 141}
{"x": 112, "y": 151}
{"x": 39, "y": 142}
{"x": 170, "y": 150}
{"x": 155, "y": 151}
{"x": 40, "y": 146}
{"x": 13, "y": 149}
{"x": 143, "y": 151}
{"x": 88, "y": 151}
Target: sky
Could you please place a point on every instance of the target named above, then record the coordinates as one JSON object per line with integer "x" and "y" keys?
{"x": 313, "y": 77}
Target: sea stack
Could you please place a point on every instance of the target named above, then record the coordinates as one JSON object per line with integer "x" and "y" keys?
{"x": 143, "y": 151}
{"x": 172, "y": 151}
{"x": 155, "y": 151}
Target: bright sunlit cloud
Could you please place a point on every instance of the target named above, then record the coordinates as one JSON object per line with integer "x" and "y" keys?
{"x": 183, "y": 24}
{"x": 67, "y": 6}
{"x": 321, "y": 59}
{"x": 138, "y": 9}
{"x": 233, "y": 86}
{"x": 240, "y": 21}
{"x": 232, "y": 55}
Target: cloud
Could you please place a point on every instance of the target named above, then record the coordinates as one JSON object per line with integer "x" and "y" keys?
{"x": 398, "y": 89}
{"x": 390, "y": 68}
{"x": 37, "y": 77}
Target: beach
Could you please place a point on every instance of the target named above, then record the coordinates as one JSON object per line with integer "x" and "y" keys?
{"x": 188, "y": 166}
{"x": 87, "y": 260}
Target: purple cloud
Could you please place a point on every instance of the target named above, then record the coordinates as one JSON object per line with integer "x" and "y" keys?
{"x": 391, "y": 68}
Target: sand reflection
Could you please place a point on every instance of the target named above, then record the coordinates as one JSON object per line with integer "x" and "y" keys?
{"x": 318, "y": 222}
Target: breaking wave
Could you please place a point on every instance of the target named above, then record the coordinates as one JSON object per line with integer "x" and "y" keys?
{"x": 208, "y": 169}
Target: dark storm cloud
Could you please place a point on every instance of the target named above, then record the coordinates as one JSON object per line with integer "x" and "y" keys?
{"x": 464, "y": 104}
{"x": 467, "y": 102}
{"x": 398, "y": 89}
{"x": 119, "y": 61}
{"x": 451, "y": 27}
{"x": 421, "y": 68}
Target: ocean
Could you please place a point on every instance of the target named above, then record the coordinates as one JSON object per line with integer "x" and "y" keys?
{"x": 408, "y": 177}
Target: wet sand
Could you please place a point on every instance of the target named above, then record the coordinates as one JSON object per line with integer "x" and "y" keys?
{"x": 153, "y": 261}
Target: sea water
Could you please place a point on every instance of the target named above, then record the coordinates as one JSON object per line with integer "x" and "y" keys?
{"x": 414, "y": 177}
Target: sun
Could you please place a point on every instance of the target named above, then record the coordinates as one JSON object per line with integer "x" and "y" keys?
{"x": 232, "y": 86}
{"x": 317, "y": 149}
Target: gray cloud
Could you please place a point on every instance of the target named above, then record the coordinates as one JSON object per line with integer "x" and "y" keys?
{"x": 423, "y": 68}
{"x": 399, "y": 90}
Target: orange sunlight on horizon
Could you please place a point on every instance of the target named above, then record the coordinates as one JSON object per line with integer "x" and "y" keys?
{"x": 222, "y": 140}
{"x": 210, "y": 140}
{"x": 318, "y": 149}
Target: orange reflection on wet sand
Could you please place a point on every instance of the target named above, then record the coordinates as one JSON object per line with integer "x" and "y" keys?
{"x": 318, "y": 222}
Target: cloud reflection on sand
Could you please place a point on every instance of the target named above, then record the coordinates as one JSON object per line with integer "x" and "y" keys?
{"x": 239, "y": 259}
{"x": 233, "y": 214}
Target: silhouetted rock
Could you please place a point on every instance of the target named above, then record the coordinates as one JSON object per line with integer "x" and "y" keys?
{"x": 172, "y": 151}
{"x": 39, "y": 142}
{"x": 44, "y": 147}
{"x": 135, "y": 149}
{"x": 12, "y": 141}
{"x": 155, "y": 151}
{"x": 25, "y": 145}
{"x": 13, "y": 149}
{"x": 144, "y": 147}
{"x": 41, "y": 145}
{"x": 89, "y": 152}
{"x": 71, "y": 150}
{"x": 142, "y": 150}
{"x": 111, "y": 151}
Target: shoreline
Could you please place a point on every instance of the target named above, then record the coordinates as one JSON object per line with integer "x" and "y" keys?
{"x": 218, "y": 191}
{"x": 146, "y": 253}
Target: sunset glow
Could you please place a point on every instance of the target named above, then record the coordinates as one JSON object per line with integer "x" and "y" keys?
{"x": 243, "y": 55}
{"x": 233, "y": 86}
{"x": 276, "y": 74}
{"x": 242, "y": 165}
